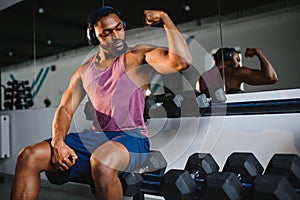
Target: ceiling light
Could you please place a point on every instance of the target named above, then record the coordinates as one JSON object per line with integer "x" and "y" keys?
{"x": 49, "y": 42}
{"x": 41, "y": 10}
{"x": 186, "y": 7}
{"x": 10, "y": 53}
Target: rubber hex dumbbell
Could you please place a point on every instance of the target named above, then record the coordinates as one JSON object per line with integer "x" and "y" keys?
{"x": 287, "y": 165}
{"x": 131, "y": 184}
{"x": 273, "y": 187}
{"x": 152, "y": 172}
{"x": 199, "y": 165}
{"x": 245, "y": 165}
{"x": 223, "y": 185}
{"x": 281, "y": 179}
{"x": 190, "y": 182}
{"x": 177, "y": 184}
{"x": 155, "y": 163}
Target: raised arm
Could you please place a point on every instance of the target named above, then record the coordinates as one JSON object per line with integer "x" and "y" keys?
{"x": 266, "y": 75}
{"x": 177, "y": 57}
{"x": 70, "y": 100}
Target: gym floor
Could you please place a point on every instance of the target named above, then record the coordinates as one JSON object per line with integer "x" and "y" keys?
{"x": 53, "y": 192}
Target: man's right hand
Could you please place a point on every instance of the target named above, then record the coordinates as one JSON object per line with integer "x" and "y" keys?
{"x": 250, "y": 52}
{"x": 63, "y": 157}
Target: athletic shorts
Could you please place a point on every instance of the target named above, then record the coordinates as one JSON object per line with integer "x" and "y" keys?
{"x": 84, "y": 143}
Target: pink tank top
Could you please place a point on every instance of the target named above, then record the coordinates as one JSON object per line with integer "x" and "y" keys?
{"x": 118, "y": 102}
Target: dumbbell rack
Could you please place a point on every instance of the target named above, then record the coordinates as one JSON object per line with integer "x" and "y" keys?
{"x": 17, "y": 95}
{"x": 242, "y": 178}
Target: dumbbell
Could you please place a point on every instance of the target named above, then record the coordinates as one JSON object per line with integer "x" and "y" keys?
{"x": 281, "y": 179}
{"x": 190, "y": 182}
{"x": 152, "y": 172}
{"x": 245, "y": 166}
{"x": 287, "y": 165}
{"x": 131, "y": 184}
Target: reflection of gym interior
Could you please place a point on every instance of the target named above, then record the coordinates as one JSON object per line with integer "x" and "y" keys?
{"x": 243, "y": 146}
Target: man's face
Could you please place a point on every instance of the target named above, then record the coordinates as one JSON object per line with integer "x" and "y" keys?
{"x": 111, "y": 35}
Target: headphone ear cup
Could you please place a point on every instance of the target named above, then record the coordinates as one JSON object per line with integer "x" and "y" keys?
{"x": 228, "y": 54}
{"x": 91, "y": 36}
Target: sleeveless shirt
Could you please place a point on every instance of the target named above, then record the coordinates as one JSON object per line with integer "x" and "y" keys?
{"x": 118, "y": 102}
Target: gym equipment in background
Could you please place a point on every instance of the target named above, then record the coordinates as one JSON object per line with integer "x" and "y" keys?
{"x": 17, "y": 95}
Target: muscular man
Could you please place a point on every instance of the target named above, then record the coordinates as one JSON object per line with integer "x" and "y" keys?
{"x": 227, "y": 61}
{"x": 114, "y": 80}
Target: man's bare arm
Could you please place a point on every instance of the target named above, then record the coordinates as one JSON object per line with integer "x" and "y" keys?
{"x": 63, "y": 157}
{"x": 178, "y": 56}
{"x": 267, "y": 73}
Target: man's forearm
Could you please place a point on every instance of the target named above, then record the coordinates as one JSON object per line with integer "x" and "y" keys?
{"x": 266, "y": 66}
{"x": 60, "y": 125}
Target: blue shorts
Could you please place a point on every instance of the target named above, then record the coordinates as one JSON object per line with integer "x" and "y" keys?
{"x": 84, "y": 143}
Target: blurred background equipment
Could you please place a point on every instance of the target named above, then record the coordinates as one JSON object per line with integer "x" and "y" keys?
{"x": 17, "y": 95}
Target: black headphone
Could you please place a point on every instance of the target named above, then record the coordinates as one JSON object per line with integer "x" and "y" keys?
{"x": 227, "y": 53}
{"x": 91, "y": 36}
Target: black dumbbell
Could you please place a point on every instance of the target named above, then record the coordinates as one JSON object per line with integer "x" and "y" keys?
{"x": 223, "y": 185}
{"x": 287, "y": 165}
{"x": 152, "y": 172}
{"x": 190, "y": 182}
{"x": 199, "y": 165}
{"x": 244, "y": 165}
{"x": 178, "y": 184}
{"x": 131, "y": 184}
{"x": 281, "y": 179}
{"x": 273, "y": 187}
{"x": 154, "y": 164}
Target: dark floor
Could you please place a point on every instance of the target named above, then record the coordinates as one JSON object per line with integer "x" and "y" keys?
{"x": 48, "y": 191}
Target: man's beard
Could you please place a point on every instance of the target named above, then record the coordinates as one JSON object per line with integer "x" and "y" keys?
{"x": 118, "y": 50}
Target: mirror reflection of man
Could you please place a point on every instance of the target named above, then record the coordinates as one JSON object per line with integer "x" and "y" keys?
{"x": 227, "y": 60}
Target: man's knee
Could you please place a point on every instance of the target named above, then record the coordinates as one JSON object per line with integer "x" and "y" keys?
{"x": 26, "y": 154}
{"x": 100, "y": 169}
{"x": 30, "y": 156}
{"x": 112, "y": 155}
